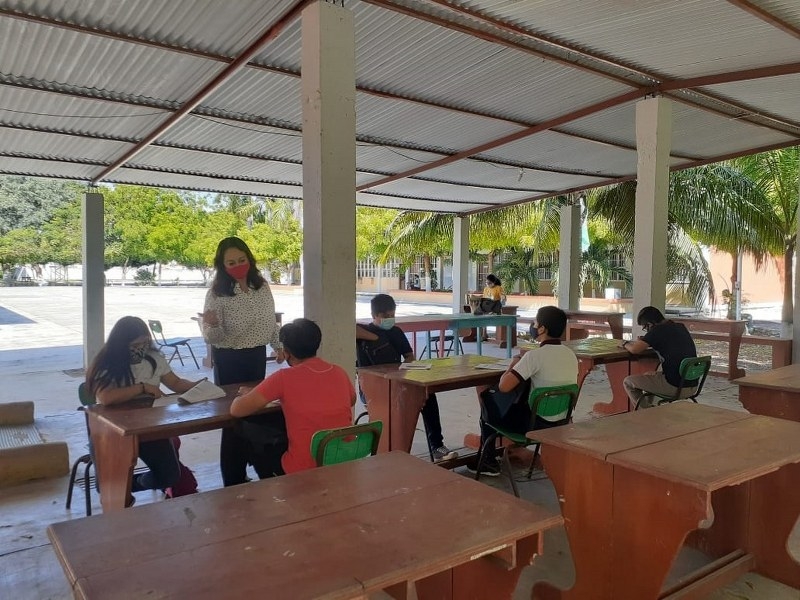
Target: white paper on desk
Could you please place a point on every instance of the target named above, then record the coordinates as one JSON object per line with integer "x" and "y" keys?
{"x": 203, "y": 390}
{"x": 166, "y": 400}
{"x": 500, "y": 365}
{"x": 416, "y": 366}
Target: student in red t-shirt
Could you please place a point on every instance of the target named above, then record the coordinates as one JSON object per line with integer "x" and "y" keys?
{"x": 313, "y": 394}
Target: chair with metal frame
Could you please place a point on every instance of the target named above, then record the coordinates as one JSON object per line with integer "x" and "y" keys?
{"x": 544, "y": 402}
{"x": 695, "y": 368}
{"x": 332, "y": 446}
{"x": 174, "y": 343}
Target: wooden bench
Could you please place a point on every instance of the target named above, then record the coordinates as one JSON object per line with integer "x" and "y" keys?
{"x": 584, "y": 319}
{"x": 24, "y": 454}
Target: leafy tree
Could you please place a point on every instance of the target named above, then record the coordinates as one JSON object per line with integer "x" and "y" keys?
{"x": 519, "y": 266}
{"x": 18, "y": 247}
{"x": 31, "y": 201}
{"x": 372, "y": 226}
{"x": 61, "y": 238}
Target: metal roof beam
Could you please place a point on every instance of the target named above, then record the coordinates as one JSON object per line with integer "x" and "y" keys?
{"x": 270, "y": 34}
{"x": 767, "y": 17}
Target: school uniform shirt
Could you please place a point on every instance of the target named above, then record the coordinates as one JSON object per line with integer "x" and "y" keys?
{"x": 246, "y": 319}
{"x": 673, "y": 342}
{"x": 314, "y": 395}
{"x": 549, "y": 365}
{"x": 143, "y": 372}
{"x": 494, "y": 293}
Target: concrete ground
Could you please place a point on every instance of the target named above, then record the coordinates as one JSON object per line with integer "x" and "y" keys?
{"x": 40, "y": 360}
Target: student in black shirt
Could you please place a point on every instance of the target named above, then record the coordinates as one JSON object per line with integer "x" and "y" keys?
{"x": 382, "y": 342}
{"x": 673, "y": 343}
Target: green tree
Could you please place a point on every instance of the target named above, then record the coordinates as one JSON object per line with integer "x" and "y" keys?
{"x": 61, "y": 237}
{"x": 31, "y": 201}
{"x": 19, "y": 247}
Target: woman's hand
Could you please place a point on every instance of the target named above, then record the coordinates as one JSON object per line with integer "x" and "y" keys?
{"x": 210, "y": 318}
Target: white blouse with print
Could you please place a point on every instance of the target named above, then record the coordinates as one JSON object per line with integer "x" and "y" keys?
{"x": 246, "y": 319}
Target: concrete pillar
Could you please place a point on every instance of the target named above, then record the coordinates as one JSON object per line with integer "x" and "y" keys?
{"x": 795, "y": 326}
{"x": 93, "y": 276}
{"x": 329, "y": 176}
{"x": 569, "y": 258}
{"x": 460, "y": 262}
{"x": 653, "y": 141}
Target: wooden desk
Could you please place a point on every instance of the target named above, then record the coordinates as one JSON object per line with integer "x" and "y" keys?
{"x": 452, "y": 322}
{"x": 396, "y": 396}
{"x": 344, "y": 531}
{"x": 117, "y": 430}
{"x": 633, "y": 487}
{"x": 619, "y": 363}
{"x": 774, "y": 393}
{"x": 733, "y": 329}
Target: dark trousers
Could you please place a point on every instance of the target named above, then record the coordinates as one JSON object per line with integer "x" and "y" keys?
{"x": 516, "y": 419}
{"x": 433, "y": 423}
{"x": 237, "y": 366}
{"x": 162, "y": 460}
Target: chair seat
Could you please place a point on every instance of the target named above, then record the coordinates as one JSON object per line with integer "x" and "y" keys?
{"x": 175, "y": 342}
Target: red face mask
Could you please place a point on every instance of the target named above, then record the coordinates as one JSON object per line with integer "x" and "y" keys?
{"x": 239, "y": 271}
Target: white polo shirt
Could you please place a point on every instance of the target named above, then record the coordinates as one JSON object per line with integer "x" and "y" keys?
{"x": 548, "y": 366}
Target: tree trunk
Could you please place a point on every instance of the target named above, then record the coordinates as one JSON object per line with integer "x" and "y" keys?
{"x": 787, "y": 312}
{"x": 426, "y": 266}
{"x": 734, "y": 279}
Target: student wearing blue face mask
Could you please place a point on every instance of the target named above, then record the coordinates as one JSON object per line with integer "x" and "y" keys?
{"x": 382, "y": 342}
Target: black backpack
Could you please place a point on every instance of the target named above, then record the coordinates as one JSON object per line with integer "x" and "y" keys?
{"x": 377, "y": 352}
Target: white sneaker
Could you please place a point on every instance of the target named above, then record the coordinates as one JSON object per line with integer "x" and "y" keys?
{"x": 444, "y": 453}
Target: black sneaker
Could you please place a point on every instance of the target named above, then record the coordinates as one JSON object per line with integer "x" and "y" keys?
{"x": 489, "y": 468}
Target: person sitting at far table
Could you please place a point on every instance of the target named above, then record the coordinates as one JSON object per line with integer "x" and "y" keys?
{"x": 313, "y": 395}
{"x": 673, "y": 342}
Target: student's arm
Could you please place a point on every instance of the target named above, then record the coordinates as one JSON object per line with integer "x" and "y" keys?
{"x": 178, "y": 384}
{"x": 257, "y": 398}
{"x": 510, "y": 379}
{"x": 409, "y": 357}
{"x": 635, "y": 346}
{"x": 362, "y": 333}
{"x": 117, "y": 395}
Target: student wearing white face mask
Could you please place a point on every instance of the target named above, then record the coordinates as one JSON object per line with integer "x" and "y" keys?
{"x": 385, "y": 343}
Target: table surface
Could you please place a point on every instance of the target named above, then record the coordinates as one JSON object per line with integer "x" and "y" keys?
{"x": 332, "y": 523}
{"x": 453, "y": 369}
{"x": 139, "y": 418}
{"x": 784, "y": 378}
{"x": 599, "y": 348}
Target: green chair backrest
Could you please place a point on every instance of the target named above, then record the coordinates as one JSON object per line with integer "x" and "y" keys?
{"x": 332, "y": 446}
{"x": 84, "y": 396}
{"x": 552, "y": 401}
{"x": 694, "y": 369}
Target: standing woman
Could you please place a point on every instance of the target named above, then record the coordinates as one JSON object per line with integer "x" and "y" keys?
{"x": 128, "y": 366}
{"x": 238, "y": 322}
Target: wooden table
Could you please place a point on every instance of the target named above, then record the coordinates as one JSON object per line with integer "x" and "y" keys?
{"x": 344, "y": 531}
{"x": 733, "y": 329}
{"x": 619, "y": 363}
{"x": 614, "y": 320}
{"x": 774, "y": 393}
{"x": 117, "y": 430}
{"x": 633, "y": 487}
{"x": 453, "y": 322}
{"x": 396, "y": 396}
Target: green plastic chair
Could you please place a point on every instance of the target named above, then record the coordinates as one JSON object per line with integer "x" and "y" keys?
{"x": 333, "y": 446}
{"x": 544, "y": 402}
{"x": 691, "y": 369}
{"x": 87, "y": 459}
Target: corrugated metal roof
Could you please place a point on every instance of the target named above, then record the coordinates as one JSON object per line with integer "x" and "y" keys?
{"x": 537, "y": 97}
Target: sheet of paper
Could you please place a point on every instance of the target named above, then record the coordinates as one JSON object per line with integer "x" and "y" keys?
{"x": 204, "y": 390}
{"x": 415, "y": 366}
{"x": 500, "y": 365}
{"x": 166, "y": 400}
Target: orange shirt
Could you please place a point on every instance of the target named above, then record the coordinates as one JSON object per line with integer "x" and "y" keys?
{"x": 314, "y": 395}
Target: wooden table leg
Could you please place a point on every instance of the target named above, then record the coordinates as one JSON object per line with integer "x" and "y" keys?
{"x": 584, "y": 485}
{"x": 774, "y": 511}
{"x": 405, "y": 406}
{"x": 377, "y": 391}
{"x": 651, "y": 519}
{"x": 616, "y": 373}
{"x": 114, "y": 459}
{"x": 734, "y": 372}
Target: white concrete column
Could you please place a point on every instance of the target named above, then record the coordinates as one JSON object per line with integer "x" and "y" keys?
{"x": 795, "y": 325}
{"x": 653, "y": 141}
{"x": 329, "y": 178}
{"x": 93, "y": 276}
{"x": 569, "y": 258}
{"x": 460, "y": 262}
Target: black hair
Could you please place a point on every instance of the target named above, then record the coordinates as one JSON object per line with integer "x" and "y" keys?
{"x": 492, "y": 278}
{"x": 381, "y": 304}
{"x": 112, "y": 365}
{"x": 301, "y": 338}
{"x": 551, "y": 318}
{"x": 224, "y": 284}
{"x": 649, "y": 315}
